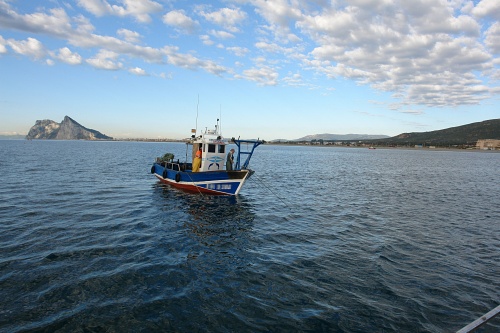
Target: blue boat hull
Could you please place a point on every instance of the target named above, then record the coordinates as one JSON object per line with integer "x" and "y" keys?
{"x": 209, "y": 182}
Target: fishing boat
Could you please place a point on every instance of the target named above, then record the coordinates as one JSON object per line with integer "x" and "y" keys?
{"x": 211, "y": 176}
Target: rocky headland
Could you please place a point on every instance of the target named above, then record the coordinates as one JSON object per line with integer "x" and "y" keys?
{"x": 68, "y": 129}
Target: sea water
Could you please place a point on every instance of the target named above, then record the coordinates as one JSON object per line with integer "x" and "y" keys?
{"x": 321, "y": 239}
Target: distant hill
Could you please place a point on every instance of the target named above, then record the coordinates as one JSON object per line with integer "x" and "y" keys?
{"x": 460, "y": 135}
{"x": 68, "y": 129}
{"x": 341, "y": 137}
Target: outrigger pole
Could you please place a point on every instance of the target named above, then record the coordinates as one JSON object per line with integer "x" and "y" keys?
{"x": 238, "y": 143}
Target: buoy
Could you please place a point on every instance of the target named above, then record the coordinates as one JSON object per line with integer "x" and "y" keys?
{"x": 178, "y": 177}
{"x": 165, "y": 173}
{"x": 153, "y": 169}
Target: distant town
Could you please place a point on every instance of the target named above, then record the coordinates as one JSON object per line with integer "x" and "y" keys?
{"x": 483, "y": 144}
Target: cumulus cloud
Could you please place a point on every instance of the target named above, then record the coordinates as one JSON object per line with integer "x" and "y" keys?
{"x": 493, "y": 38}
{"x": 191, "y": 62}
{"x": 3, "y": 49}
{"x": 209, "y": 42}
{"x": 138, "y": 71}
{"x": 487, "y": 8}
{"x": 229, "y": 18}
{"x": 206, "y": 40}
{"x": 424, "y": 52}
{"x": 221, "y": 34}
{"x": 139, "y": 9}
{"x": 30, "y": 47}
{"x": 65, "y": 55}
{"x": 263, "y": 75}
{"x": 280, "y": 12}
{"x": 238, "y": 50}
{"x": 129, "y": 36}
{"x": 294, "y": 80}
{"x": 269, "y": 47}
{"x": 105, "y": 59}
{"x": 180, "y": 21}
{"x": 56, "y": 23}
{"x": 401, "y": 48}
{"x": 282, "y": 17}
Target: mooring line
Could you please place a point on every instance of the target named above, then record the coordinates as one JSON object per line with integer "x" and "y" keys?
{"x": 192, "y": 181}
{"x": 270, "y": 190}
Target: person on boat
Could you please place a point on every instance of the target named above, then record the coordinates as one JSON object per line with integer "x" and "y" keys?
{"x": 197, "y": 161}
{"x": 229, "y": 160}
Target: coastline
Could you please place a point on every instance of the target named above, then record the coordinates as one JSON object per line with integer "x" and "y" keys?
{"x": 469, "y": 149}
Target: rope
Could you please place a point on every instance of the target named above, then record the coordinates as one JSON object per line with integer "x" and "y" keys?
{"x": 270, "y": 190}
{"x": 192, "y": 181}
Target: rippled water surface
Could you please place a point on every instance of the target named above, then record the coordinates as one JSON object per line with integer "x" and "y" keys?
{"x": 321, "y": 239}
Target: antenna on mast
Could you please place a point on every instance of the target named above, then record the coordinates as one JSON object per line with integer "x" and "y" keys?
{"x": 220, "y": 117}
{"x": 197, "y": 113}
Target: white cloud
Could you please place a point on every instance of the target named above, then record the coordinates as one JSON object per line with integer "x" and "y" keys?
{"x": 65, "y": 55}
{"x": 221, "y": 34}
{"x": 430, "y": 16}
{"x": 180, "y": 21}
{"x": 229, "y": 18}
{"x": 191, "y": 62}
{"x": 263, "y": 75}
{"x": 427, "y": 52}
{"x": 3, "y": 42}
{"x": 401, "y": 48}
{"x": 139, "y": 9}
{"x": 96, "y": 7}
{"x": 410, "y": 111}
{"x": 57, "y": 23}
{"x": 105, "y": 60}
{"x": 487, "y": 8}
{"x": 278, "y": 12}
{"x": 138, "y": 71}
{"x": 282, "y": 17}
{"x": 164, "y": 76}
{"x": 268, "y": 47}
{"x": 83, "y": 25}
{"x": 206, "y": 40}
{"x": 493, "y": 38}
{"x": 238, "y": 51}
{"x": 294, "y": 79}
{"x": 129, "y": 36}
{"x": 30, "y": 47}
{"x": 147, "y": 53}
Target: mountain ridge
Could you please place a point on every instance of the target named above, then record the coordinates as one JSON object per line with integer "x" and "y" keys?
{"x": 347, "y": 137}
{"x": 68, "y": 129}
{"x": 458, "y": 135}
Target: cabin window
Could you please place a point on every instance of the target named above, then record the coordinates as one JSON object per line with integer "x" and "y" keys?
{"x": 222, "y": 149}
{"x": 211, "y": 148}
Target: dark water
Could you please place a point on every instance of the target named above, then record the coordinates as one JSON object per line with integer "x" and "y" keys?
{"x": 321, "y": 239}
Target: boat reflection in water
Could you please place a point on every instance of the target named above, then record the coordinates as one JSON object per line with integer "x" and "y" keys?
{"x": 212, "y": 219}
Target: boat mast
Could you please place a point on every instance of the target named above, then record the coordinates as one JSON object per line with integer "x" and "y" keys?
{"x": 197, "y": 104}
{"x": 220, "y": 117}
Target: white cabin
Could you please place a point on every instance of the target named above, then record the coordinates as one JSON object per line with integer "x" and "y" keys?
{"x": 213, "y": 150}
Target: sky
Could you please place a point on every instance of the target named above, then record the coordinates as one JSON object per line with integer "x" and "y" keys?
{"x": 275, "y": 69}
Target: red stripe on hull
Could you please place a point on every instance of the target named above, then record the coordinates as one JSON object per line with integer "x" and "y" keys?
{"x": 191, "y": 188}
